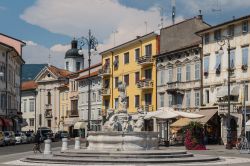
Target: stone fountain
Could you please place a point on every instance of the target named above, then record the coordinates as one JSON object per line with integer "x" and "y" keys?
{"x": 120, "y": 132}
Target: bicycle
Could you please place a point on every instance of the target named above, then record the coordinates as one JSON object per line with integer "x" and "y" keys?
{"x": 37, "y": 148}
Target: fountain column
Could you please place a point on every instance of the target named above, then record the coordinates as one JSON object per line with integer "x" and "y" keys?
{"x": 47, "y": 147}
{"x": 77, "y": 143}
{"x": 64, "y": 144}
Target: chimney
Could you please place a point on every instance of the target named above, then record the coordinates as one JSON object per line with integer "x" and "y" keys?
{"x": 200, "y": 15}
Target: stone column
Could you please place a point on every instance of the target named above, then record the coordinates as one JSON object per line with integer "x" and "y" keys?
{"x": 47, "y": 147}
{"x": 77, "y": 143}
{"x": 64, "y": 144}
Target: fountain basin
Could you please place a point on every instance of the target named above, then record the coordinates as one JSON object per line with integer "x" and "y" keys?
{"x": 122, "y": 141}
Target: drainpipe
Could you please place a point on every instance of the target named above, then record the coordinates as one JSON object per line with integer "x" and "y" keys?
{"x": 112, "y": 76}
{"x": 201, "y": 72}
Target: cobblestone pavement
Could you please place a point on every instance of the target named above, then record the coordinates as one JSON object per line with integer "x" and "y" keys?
{"x": 229, "y": 157}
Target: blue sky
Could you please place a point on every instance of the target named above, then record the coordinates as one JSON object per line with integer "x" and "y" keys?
{"x": 49, "y": 25}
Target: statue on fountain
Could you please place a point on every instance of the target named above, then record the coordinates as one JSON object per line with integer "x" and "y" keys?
{"x": 122, "y": 97}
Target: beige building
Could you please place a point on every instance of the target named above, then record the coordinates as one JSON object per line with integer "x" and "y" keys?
{"x": 215, "y": 72}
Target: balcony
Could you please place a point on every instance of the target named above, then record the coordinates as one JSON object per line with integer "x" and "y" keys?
{"x": 48, "y": 114}
{"x": 223, "y": 107}
{"x": 145, "y": 60}
{"x": 104, "y": 71}
{"x": 178, "y": 107}
{"x": 175, "y": 87}
{"x": 48, "y": 106}
{"x": 72, "y": 113}
{"x": 105, "y": 92}
{"x": 146, "y": 108}
{"x": 145, "y": 84}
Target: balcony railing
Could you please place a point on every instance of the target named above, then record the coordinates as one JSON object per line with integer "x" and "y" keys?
{"x": 145, "y": 84}
{"x": 104, "y": 71}
{"x": 48, "y": 106}
{"x": 223, "y": 107}
{"x": 175, "y": 87}
{"x": 48, "y": 114}
{"x": 105, "y": 91}
{"x": 145, "y": 60}
{"x": 146, "y": 108}
{"x": 72, "y": 113}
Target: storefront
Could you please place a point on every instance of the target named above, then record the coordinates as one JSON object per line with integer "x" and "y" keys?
{"x": 8, "y": 124}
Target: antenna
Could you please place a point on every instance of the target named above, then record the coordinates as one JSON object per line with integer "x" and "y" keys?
{"x": 146, "y": 24}
{"x": 173, "y": 11}
{"x": 217, "y": 7}
{"x": 49, "y": 58}
{"x": 162, "y": 10}
{"x": 114, "y": 32}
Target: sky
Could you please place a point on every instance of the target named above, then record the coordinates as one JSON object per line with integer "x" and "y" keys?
{"x": 48, "y": 26}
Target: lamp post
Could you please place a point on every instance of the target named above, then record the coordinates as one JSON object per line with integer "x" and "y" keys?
{"x": 226, "y": 40}
{"x": 91, "y": 43}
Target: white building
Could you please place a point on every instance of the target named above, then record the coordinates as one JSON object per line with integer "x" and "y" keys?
{"x": 28, "y": 106}
{"x": 96, "y": 99}
{"x": 10, "y": 69}
{"x": 215, "y": 72}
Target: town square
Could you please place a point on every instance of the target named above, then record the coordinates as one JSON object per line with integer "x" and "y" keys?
{"x": 124, "y": 82}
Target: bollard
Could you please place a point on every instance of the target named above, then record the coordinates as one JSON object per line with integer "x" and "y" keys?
{"x": 77, "y": 143}
{"x": 47, "y": 147}
{"x": 64, "y": 144}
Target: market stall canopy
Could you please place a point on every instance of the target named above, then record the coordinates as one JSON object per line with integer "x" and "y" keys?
{"x": 181, "y": 123}
{"x": 169, "y": 113}
{"x": 223, "y": 92}
{"x": 80, "y": 125}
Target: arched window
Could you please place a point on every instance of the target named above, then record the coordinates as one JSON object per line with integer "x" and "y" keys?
{"x": 49, "y": 98}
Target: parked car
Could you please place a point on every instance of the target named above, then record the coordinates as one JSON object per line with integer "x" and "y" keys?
{"x": 20, "y": 138}
{"x": 2, "y": 143}
{"x": 62, "y": 134}
{"x": 45, "y": 133}
{"x": 9, "y": 138}
{"x": 30, "y": 137}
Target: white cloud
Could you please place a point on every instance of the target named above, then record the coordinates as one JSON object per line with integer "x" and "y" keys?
{"x": 60, "y": 48}
{"x": 30, "y": 43}
{"x": 75, "y": 18}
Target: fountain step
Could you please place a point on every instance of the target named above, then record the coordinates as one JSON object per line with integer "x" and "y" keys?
{"x": 152, "y": 155}
{"x": 84, "y": 161}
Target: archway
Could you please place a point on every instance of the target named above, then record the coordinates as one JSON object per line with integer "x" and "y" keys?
{"x": 233, "y": 126}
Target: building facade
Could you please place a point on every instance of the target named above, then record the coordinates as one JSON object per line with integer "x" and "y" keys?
{"x": 10, "y": 81}
{"x": 133, "y": 64}
{"x": 216, "y": 69}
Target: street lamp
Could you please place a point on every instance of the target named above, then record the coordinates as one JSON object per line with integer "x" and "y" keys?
{"x": 91, "y": 43}
{"x": 226, "y": 40}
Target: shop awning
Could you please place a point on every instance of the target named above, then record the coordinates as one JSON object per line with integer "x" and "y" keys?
{"x": 181, "y": 122}
{"x": 80, "y": 125}
{"x": 234, "y": 91}
{"x": 8, "y": 122}
{"x": 208, "y": 114}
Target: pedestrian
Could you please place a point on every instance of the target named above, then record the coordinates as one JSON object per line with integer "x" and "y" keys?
{"x": 38, "y": 140}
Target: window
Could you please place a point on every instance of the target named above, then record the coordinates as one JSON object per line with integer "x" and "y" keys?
{"x": 137, "y": 54}
{"x": 78, "y": 66}
{"x": 206, "y": 64}
{"x": 148, "y": 50}
{"x": 49, "y": 98}
{"x": 197, "y": 98}
{"x": 179, "y": 73}
{"x": 49, "y": 123}
{"x": 245, "y": 56}
{"x": 3, "y": 101}
{"x": 32, "y": 121}
{"x": 126, "y": 80}
{"x": 246, "y": 93}
{"x": 170, "y": 100}
{"x": 232, "y": 59}
{"x": 148, "y": 74}
{"x": 207, "y": 96}
{"x": 116, "y": 82}
{"x": 94, "y": 97}
{"x": 32, "y": 105}
{"x": 137, "y": 100}
{"x": 99, "y": 95}
{"x": 206, "y": 40}
{"x": 127, "y": 100}
{"x": 40, "y": 119}
{"x": 67, "y": 65}
{"x": 217, "y": 35}
{"x": 188, "y": 67}
{"x": 230, "y": 30}
{"x": 148, "y": 99}
{"x": 218, "y": 63}
{"x": 197, "y": 71}
{"x": 170, "y": 75}
{"x": 162, "y": 76}
{"x": 245, "y": 26}
{"x": 24, "y": 105}
{"x": 106, "y": 83}
{"x": 116, "y": 103}
{"x": 126, "y": 58}
{"x": 116, "y": 62}
{"x": 137, "y": 77}
{"x": 179, "y": 100}
{"x": 106, "y": 103}
{"x": 161, "y": 99}
{"x": 188, "y": 95}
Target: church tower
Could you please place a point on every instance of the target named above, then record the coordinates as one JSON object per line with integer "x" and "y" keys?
{"x": 73, "y": 60}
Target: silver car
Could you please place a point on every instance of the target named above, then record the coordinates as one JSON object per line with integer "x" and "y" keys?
{"x": 20, "y": 138}
{"x": 9, "y": 138}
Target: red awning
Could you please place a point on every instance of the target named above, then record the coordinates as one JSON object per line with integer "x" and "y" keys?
{"x": 1, "y": 122}
{"x": 8, "y": 122}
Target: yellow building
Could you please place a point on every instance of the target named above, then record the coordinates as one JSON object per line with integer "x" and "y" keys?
{"x": 133, "y": 64}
